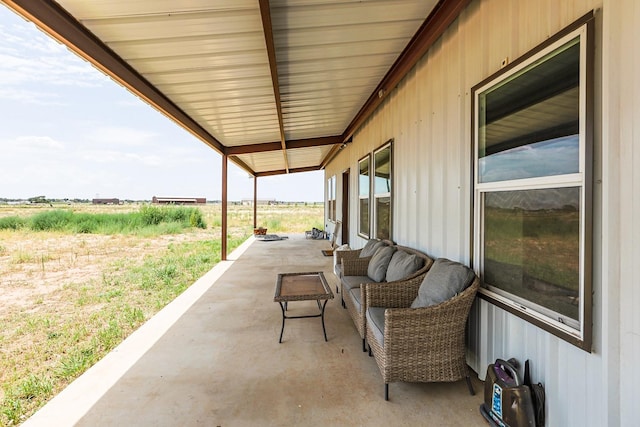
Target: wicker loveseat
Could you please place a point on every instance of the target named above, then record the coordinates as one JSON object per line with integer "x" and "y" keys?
{"x": 391, "y": 265}
{"x": 424, "y": 344}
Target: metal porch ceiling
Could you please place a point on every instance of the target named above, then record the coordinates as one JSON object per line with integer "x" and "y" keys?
{"x": 278, "y": 85}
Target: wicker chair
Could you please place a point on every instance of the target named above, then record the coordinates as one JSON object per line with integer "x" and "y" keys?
{"x": 351, "y": 256}
{"x": 357, "y": 305}
{"x": 420, "y": 344}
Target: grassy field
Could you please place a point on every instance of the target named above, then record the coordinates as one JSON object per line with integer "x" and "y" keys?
{"x": 75, "y": 281}
{"x": 535, "y": 255}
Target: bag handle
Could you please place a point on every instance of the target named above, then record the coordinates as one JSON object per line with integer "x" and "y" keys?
{"x": 510, "y": 367}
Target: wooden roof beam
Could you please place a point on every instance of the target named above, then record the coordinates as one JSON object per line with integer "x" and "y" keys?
{"x": 282, "y": 172}
{"x": 273, "y": 146}
{"x": 265, "y": 13}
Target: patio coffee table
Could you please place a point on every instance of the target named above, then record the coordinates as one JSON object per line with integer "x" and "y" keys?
{"x": 302, "y": 287}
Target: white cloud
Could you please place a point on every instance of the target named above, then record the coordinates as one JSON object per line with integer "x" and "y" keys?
{"x": 40, "y": 142}
{"x": 27, "y": 96}
{"x": 121, "y": 157}
{"x": 32, "y": 143}
{"x": 121, "y": 136}
{"x": 28, "y": 56}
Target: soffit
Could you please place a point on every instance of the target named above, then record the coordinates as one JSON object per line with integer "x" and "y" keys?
{"x": 264, "y": 77}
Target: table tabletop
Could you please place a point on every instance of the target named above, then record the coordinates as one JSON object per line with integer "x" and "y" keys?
{"x": 302, "y": 286}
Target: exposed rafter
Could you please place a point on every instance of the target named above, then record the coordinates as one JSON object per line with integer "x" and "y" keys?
{"x": 443, "y": 15}
{"x": 330, "y": 155}
{"x": 282, "y": 172}
{"x": 242, "y": 165}
{"x": 314, "y": 142}
{"x": 253, "y": 148}
{"x": 273, "y": 146}
{"x": 265, "y": 13}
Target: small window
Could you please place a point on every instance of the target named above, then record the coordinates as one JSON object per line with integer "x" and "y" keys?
{"x": 364, "y": 195}
{"x": 532, "y": 187}
{"x": 382, "y": 187}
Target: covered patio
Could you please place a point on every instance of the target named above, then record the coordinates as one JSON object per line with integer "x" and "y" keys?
{"x": 395, "y": 93}
{"x": 212, "y": 358}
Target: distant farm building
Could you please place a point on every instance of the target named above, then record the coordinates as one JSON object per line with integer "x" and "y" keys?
{"x": 105, "y": 201}
{"x": 249, "y": 202}
{"x": 178, "y": 200}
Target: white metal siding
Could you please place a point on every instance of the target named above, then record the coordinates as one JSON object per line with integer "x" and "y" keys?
{"x": 621, "y": 187}
{"x": 429, "y": 117}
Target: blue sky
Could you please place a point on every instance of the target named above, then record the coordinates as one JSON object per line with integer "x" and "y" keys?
{"x": 68, "y": 131}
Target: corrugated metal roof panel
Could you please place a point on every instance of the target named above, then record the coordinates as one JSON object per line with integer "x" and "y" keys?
{"x": 264, "y": 162}
{"x": 83, "y": 9}
{"x": 210, "y": 59}
{"x": 190, "y": 50}
{"x": 307, "y": 157}
{"x": 336, "y": 52}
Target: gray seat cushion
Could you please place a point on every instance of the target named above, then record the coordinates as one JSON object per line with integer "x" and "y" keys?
{"x": 356, "y": 296}
{"x": 375, "y": 322}
{"x": 379, "y": 263}
{"x": 350, "y": 282}
{"x": 403, "y": 265}
{"x": 443, "y": 281}
{"x": 371, "y": 247}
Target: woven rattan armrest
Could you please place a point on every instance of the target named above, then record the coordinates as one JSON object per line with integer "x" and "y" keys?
{"x": 398, "y": 294}
{"x": 355, "y": 267}
{"x": 347, "y": 254}
{"x": 423, "y": 327}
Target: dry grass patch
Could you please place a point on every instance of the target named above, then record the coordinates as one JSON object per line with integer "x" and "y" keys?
{"x": 67, "y": 299}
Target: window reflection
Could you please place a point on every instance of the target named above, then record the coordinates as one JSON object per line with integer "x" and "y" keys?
{"x": 364, "y": 194}
{"x": 528, "y": 125}
{"x": 383, "y": 217}
{"x": 382, "y": 192}
{"x": 532, "y": 246}
{"x": 555, "y": 157}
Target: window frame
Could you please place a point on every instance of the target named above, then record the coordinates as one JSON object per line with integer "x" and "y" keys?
{"x": 331, "y": 199}
{"x": 361, "y": 233}
{"x": 375, "y": 195}
{"x": 582, "y": 335}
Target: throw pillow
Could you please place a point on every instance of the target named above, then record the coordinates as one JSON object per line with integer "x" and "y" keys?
{"x": 377, "y": 269}
{"x": 403, "y": 265}
{"x": 371, "y": 247}
{"x": 443, "y": 281}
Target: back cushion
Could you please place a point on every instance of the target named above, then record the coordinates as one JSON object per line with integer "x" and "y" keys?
{"x": 443, "y": 281}
{"x": 403, "y": 265}
{"x": 371, "y": 247}
{"x": 377, "y": 269}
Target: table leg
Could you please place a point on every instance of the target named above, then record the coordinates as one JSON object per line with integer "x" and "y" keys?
{"x": 282, "y": 306}
{"x": 323, "y": 328}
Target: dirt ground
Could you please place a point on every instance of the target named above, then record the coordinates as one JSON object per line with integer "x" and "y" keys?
{"x": 34, "y": 265}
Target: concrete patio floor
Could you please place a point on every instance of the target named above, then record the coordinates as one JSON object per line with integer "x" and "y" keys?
{"x": 212, "y": 358}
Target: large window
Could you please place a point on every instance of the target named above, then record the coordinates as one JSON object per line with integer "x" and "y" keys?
{"x": 331, "y": 198}
{"x": 532, "y": 186}
{"x": 364, "y": 194}
{"x": 382, "y": 191}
